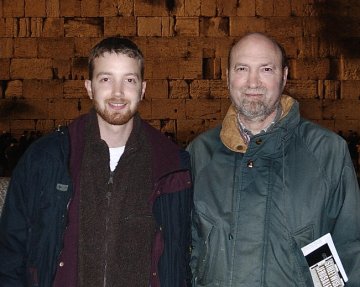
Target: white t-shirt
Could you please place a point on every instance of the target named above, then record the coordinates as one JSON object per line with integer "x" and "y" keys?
{"x": 115, "y": 154}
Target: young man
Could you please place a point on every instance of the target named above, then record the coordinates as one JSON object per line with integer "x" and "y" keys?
{"x": 267, "y": 182}
{"x": 105, "y": 202}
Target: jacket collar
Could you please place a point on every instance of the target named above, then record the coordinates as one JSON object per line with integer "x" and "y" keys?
{"x": 230, "y": 135}
{"x": 165, "y": 153}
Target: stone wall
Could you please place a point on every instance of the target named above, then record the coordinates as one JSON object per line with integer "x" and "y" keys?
{"x": 44, "y": 46}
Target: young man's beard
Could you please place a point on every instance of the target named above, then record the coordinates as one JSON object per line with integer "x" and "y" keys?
{"x": 114, "y": 118}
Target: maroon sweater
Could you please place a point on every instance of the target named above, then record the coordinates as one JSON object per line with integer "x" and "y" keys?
{"x": 167, "y": 160}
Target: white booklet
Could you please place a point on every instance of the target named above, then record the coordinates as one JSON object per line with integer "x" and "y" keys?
{"x": 324, "y": 263}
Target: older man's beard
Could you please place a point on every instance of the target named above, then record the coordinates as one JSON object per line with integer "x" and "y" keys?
{"x": 115, "y": 118}
{"x": 254, "y": 108}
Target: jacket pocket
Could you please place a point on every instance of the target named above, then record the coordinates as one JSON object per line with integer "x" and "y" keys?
{"x": 205, "y": 228}
{"x": 299, "y": 239}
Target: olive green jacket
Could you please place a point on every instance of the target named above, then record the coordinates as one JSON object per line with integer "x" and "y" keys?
{"x": 256, "y": 205}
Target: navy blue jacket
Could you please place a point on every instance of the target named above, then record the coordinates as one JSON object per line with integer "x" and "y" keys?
{"x": 35, "y": 212}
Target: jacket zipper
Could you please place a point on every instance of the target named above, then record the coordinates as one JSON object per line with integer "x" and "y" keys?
{"x": 108, "y": 199}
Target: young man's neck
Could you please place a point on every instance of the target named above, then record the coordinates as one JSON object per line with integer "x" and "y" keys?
{"x": 115, "y": 135}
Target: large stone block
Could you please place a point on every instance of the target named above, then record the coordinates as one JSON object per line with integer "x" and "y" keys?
{"x": 187, "y": 26}
{"x": 264, "y": 8}
{"x": 35, "y": 8}
{"x": 116, "y": 8}
{"x": 311, "y": 109}
{"x": 214, "y": 26}
{"x": 241, "y": 25}
{"x": 70, "y": 8}
{"x": 79, "y": 69}
{"x": 228, "y": 8}
{"x": 149, "y": 26}
{"x": 192, "y": 7}
{"x": 157, "y": 89}
{"x": 5, "y": 69}
{"x": 351, "y": 69}
{"x": 145, "y": 109}
{"x": 83, "y": 27}
{"x": 279, "y": 26}
{"x": 302, "y": 89}
{"x": 67, "y": 109}
{"x": 6, "y": 48}
{"x": 167, "y": 26}
{"x": 31, "y": 68}
{"x": 168, "y": 108}
{"x": 310, "y": 69}
{"x": 208, "y": 8}
{"x": 75, "y": 89}
{"x": 350, "y": 90}
{"x": 124, "y": 26}
{"x": 200, "y": 89}
{"x": 13, "y": 8}
{"x": 62, "y": 68}
{"x": 282, "y": 8}
{"x": 150, "y": 8}
{"x": 25, "y": 109}
{"x": 179, "y": 89}
{"x": 341, "y": 109}
{"x": 331, "y": 89}
{"x": 42, "y": 89}
{"x": 8, "y": 27}
{"x": 14, "y": 89}
{"x": 53, "y": 27}
{"x": 56, "y": 48}
{"x": 90, "y": 8}
{"x": 246, "y": 8}
{"x": 203, "y": 109}
{"x": 53, "y": 8}
{"x": 188, "y": 129}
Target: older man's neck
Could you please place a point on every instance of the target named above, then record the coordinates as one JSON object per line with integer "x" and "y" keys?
{"x": 257, "y": 125}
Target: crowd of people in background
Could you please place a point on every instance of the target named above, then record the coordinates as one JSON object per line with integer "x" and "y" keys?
{"x": 11, "y": 149}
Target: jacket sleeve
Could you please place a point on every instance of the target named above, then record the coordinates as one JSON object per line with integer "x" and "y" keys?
{"x": 346, "y": 233}
{"x": 13, "y": 234}
{"x": 186, "y": 225}
{"x": 175, "y": 216}
{"x": 195, "y": 238}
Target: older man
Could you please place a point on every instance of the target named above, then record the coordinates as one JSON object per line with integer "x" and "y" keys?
{"x": 268, "y": 182}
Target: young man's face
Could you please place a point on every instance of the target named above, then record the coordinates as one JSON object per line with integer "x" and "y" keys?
{"x": 116, "y": 88}
{"x": 255, "y": 77}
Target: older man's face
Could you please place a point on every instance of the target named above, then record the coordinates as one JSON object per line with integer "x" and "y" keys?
{"x": 256, "y": 78}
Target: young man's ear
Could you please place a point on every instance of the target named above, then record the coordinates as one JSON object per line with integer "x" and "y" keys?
{"x": 88, "y": 88}
{"x": 227, "y": 78}
{"x": 143, "y": 88}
